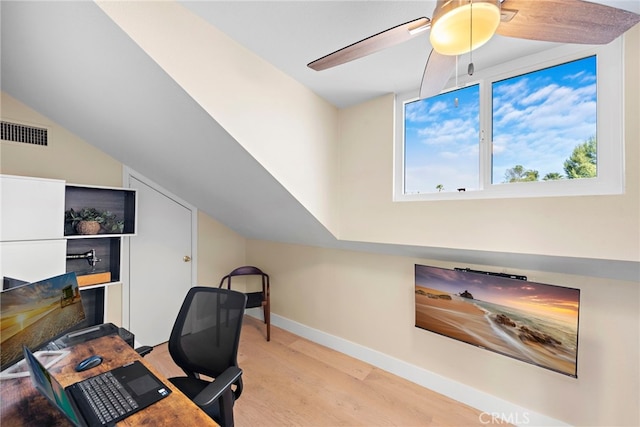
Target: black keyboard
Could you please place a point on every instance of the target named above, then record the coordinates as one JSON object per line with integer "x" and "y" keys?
{"x": 107, "y": 397}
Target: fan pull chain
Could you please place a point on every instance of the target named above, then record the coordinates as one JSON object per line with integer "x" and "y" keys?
{"x": 470, "y": 69}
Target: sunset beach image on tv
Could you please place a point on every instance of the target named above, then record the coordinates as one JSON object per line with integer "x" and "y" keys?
{"x": 532, "y": 322}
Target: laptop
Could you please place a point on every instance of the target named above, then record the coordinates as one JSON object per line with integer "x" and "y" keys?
{"x": 132, "y": 387}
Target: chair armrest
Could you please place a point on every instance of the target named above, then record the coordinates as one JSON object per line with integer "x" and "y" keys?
{"x": 214, "y": 390}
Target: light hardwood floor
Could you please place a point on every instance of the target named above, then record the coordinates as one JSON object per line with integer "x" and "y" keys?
{"x": 291, "y": 381}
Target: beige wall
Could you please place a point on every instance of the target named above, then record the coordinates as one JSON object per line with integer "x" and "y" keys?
{"x": 603, "y": 227}
{"x": 220, "y": 250}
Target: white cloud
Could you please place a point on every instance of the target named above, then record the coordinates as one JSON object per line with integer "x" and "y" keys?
{"x": 539, "y": 95}
{"x": 438, "y": 107}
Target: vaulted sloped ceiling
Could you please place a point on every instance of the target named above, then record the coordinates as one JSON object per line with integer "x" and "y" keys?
{"x": 71, "y": 63}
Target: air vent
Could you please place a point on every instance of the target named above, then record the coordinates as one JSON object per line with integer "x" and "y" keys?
{"x": 24, "y": 134}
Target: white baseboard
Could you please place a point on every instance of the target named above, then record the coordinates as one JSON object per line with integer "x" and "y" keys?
{"x": 490, "y": 405}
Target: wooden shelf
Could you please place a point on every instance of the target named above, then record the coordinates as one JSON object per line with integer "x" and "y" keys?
{"x": 94, "y": 279}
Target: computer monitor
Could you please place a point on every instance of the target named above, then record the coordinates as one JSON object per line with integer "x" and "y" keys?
{"x": 36, "y": 314}
{"x": 10, "y": 282}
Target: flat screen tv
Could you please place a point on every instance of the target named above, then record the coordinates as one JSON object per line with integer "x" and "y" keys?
{"x": 37, "y": 313}
{"x": 532, "y": 322}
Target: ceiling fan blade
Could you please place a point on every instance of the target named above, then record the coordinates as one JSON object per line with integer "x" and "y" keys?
{"x": 436, "y": 74}
{"x": 382, "y": 40}
{"x": 565, "y": 21}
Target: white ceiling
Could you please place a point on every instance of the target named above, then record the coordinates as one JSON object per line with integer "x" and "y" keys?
{"x": 290, "y": 34}
{"x": 70, "y": 62}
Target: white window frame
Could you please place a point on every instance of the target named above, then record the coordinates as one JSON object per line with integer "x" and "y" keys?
{"x": 610, "y": 129}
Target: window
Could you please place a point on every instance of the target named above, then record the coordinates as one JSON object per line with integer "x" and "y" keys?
{"x": 546, "y": 125}
{"x": 441, "y": 142}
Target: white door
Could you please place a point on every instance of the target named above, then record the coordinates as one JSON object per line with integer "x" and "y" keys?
{"x": 160, "y": 266}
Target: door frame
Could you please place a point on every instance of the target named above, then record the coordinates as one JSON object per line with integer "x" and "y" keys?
{"x": 127, "y": 174}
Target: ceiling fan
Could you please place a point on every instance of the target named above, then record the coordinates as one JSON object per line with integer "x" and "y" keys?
{"x": 460, "y": 26}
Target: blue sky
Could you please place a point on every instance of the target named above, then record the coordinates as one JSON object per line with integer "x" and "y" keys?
{"x": 538, "y": 119}
{"x": 441, "y": 141}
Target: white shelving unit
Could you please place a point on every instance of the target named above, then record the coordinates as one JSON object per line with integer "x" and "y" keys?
{"x": 35, "y": 242}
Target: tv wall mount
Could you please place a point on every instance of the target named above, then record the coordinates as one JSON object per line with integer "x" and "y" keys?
{"x": 492, "y": 273}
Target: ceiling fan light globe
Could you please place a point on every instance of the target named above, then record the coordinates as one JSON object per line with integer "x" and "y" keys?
{"x": 451, "y": 26}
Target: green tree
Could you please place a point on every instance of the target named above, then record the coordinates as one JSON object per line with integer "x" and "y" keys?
{"x": 552, "y": 176}
{"x": 514, "y": 174}
{"x": 583, "y": 160}
{"x": 439, "y": 187}
{"x": 519, "y": 174}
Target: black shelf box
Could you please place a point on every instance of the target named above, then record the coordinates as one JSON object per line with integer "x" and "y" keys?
{"x": 119, "y": 202}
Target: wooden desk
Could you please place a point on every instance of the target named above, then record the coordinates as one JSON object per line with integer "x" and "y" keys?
{"x": 22, "y": 405}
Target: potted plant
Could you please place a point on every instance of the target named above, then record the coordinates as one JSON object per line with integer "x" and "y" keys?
{"x": 111, "y": 223}
{"x": 91, "y": 221}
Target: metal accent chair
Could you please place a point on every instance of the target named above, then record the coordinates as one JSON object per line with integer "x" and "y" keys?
{"x": 254, "y": 299}
{"x": 204, "y": 341}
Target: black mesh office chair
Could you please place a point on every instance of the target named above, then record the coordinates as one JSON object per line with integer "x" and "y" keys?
{"x": 254, "y": 299}
{"x": 204, "y": 341}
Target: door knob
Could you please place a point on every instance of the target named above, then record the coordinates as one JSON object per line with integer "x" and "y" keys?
{"x": 186, "y": 258}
